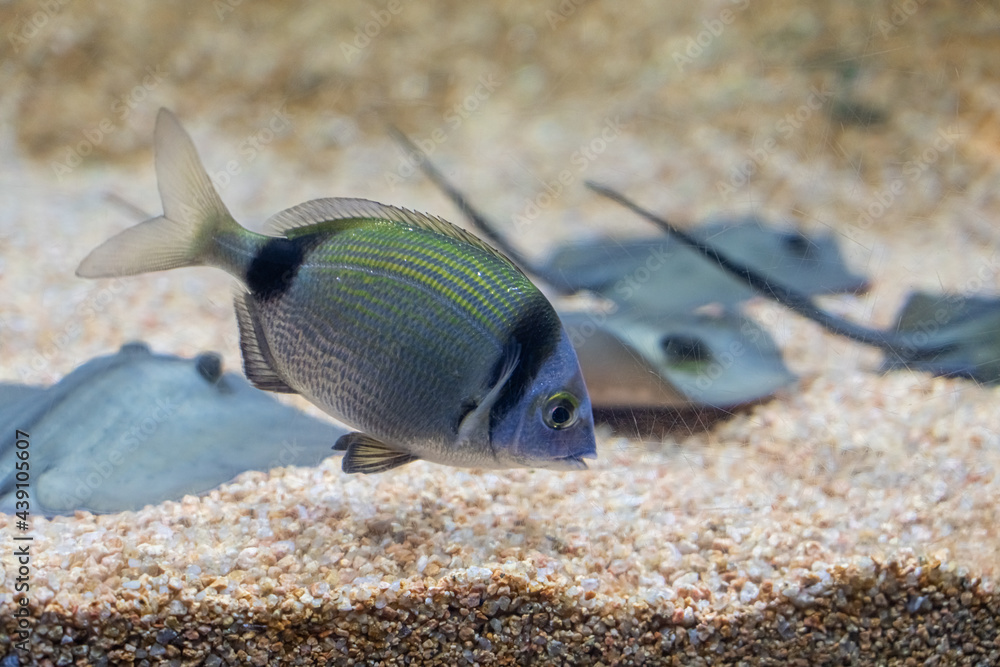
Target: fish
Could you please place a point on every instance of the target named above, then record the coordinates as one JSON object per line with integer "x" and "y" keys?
{"x": 720, "y": 359}
{"x": 952, "y": 335}
{"x": 423, "y": 338}
{"x": 136, "y": 428}
{"x": 947, "y": 334}
{"x": 661, "y": 275}
{"x": 681, "y": 360}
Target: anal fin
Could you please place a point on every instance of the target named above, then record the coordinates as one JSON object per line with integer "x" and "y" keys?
{"x": 367, "y": 455}
{"x": 258, "y": 364}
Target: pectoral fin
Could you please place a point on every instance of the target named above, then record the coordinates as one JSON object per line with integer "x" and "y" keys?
{"x": 367, "y": 455}
{"x": 258, "y": 363}
{"x": 479, "y": 417}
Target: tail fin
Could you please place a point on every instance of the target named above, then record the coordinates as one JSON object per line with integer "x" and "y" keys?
{"x": 193, "y": 215}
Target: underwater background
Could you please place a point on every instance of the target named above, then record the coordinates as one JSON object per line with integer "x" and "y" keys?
{"x": 822, "y": 525}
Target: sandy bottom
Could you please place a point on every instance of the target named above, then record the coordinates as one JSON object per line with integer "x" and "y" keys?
{"x": 849, "y": 520}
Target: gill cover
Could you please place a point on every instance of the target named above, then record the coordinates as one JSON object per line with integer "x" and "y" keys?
{"x": 550, "y": 424}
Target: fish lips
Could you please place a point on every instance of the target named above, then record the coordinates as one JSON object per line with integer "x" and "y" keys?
{"x": 569, "y": 462}
{"x": 574, "y": 462}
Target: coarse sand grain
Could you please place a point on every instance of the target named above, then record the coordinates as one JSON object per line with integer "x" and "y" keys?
{"x": 850, "y": 520}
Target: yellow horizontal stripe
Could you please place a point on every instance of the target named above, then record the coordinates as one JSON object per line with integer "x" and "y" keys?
{"x": 437, "y": 270}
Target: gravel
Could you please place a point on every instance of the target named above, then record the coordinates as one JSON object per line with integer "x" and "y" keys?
{"x": 851, "y": 520}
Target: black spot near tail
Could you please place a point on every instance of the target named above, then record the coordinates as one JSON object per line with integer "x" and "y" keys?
{"x": 274, "y": 268}
{"x": 537, "y": 330}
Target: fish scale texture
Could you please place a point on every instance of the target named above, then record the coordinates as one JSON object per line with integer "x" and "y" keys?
{"x": 432, "y": 315}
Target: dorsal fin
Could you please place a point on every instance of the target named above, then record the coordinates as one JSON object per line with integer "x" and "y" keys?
{"x": 258, "y": 364}
{"x": 340, "y": 213}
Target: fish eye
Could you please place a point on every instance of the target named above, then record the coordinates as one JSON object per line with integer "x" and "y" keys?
{"x": 797, "y": 244}
{"x": 209, "y": 366}
{"x": 680, "y": 348}
{"x": 135, "y": 347}
{"x": 561, "y": 410}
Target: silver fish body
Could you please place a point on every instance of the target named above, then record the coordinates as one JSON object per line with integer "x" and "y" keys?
{"x": 401, "y": 295}
{"x": 413, "y": 331}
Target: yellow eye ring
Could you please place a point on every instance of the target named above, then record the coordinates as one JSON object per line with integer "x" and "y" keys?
{"x": 561, "y": 410}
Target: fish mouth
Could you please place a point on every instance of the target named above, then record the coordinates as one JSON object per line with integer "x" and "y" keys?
{"x": 574, "y": 462}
